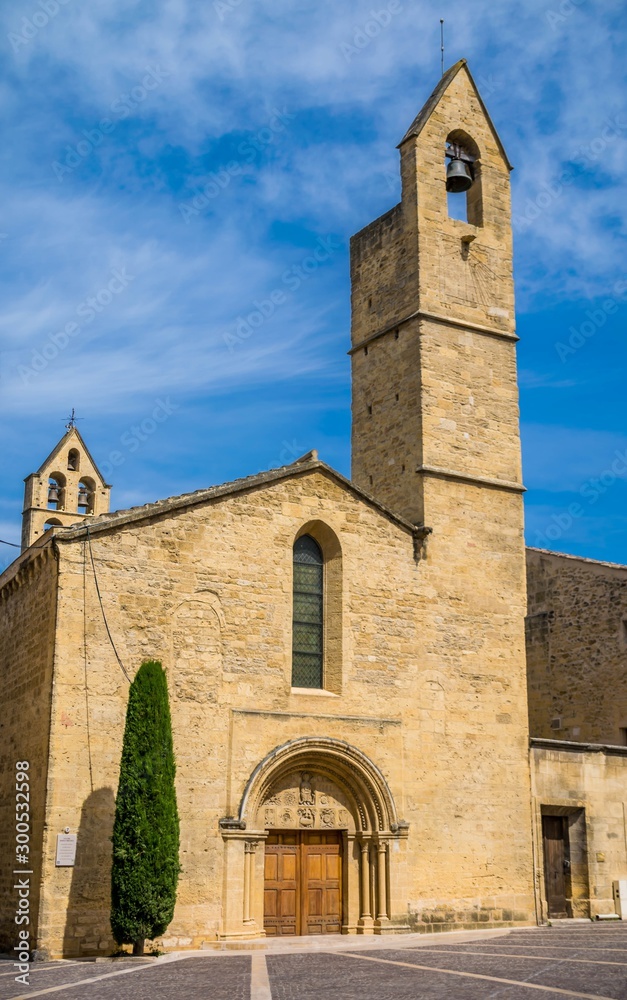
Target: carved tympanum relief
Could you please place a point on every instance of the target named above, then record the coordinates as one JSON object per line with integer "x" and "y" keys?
{"x": 307, "y": 801}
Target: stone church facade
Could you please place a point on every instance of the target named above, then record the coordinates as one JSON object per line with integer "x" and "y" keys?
{"x": 350, "y": 689}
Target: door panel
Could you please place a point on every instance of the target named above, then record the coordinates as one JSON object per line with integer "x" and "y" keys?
{"x": 322, "y": 913}
{"x": 314, "y": 900}
{"x": 288, "y": 903}
{"x": 555, "y": 840}
{"x": 302, "y": 892}
{"x": 333, "y": 866}
{"x": 314, "y": 867}
{"x": 288, "y": 867}
{"x": 271, "y": 867}
{"x": 281, "y": 886}
{"x": 270, "y": 902}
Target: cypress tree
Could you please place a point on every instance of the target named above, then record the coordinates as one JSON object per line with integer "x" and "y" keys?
{"x": 145, "y": 838}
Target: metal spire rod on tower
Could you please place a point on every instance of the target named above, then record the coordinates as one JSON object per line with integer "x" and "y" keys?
{"x": 442, "y": 44}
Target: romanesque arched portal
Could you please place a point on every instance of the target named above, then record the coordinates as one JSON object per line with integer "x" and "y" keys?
{"x": 303, "y": 798}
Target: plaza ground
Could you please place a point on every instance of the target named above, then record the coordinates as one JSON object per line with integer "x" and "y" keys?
{"x": 566, "y": 960}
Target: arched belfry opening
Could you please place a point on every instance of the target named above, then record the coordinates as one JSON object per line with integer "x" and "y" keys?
{"x": 56, "y": 491}
{"x": 463, "y": 178}
{"x": 86, "y": 495}
{"x": 316, "y": 822}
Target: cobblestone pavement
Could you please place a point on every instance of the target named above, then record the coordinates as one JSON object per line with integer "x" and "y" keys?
{"x": 211, "y": 978}
{"x": 586, "y": 961}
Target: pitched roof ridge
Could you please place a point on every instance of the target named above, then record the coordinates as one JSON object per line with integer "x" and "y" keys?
{"x": 430, "y": 105}
{"x": 432, "y": 101}
{"x": 297, "y": 468}
{"x": 72, "y": 431}
{"x": 227, "y": 487}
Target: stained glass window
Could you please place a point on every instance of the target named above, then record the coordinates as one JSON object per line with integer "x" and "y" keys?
{"x": 307, "y": 631}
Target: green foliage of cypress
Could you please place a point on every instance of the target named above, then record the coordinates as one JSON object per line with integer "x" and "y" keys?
{"x": 145, "y": 838}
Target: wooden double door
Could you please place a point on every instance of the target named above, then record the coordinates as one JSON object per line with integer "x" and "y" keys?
{"x": 303, "y": 883}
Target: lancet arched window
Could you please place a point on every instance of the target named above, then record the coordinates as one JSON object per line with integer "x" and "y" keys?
{"x": 308, "y": 614}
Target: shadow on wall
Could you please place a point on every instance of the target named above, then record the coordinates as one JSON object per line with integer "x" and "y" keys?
{"x": 87, "y": 927}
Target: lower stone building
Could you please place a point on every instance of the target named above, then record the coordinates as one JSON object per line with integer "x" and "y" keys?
{"x": 352, "y": 698}
{"x": 577, "y": 682}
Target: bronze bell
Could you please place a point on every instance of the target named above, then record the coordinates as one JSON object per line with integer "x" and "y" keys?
{"x": 83, "y": 496}
{"x": 458, "y": 176}
{"x": 53, "y": 494}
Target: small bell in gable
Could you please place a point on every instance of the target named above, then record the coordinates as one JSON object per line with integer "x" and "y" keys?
{"x": 458, "y": 176}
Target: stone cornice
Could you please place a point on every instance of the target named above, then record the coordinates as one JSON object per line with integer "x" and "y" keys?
{"x": 538, "y": 743}
{"x": 462, "y": 477}
{"x": 436, "y": 318}
{"x": 579, "y": 559}
{"x": 371, "y": 719}
{"x": 25, "y": 568}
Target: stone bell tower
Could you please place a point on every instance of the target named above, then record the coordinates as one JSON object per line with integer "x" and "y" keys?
{"x": 435, "y": 398}
{"x": 436, "y": 438}
{"x": 67, "y": 488}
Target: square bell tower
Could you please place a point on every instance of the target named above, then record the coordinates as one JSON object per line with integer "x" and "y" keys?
{"x": 433, "y": 328}
{"x": 436, "y": 438}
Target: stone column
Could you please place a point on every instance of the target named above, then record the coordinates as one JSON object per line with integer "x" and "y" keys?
{"x": 382, "y": 882}
{"x": 249, "y": 865}
{"x": 365, "y": 919}
{"x": 365, "y": 880}
{"x": 351, "y": 881}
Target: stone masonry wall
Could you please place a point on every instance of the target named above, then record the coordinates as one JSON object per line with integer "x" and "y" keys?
{"x": 576, "y": 648}
{"x": 589, "y": 786}
{"x": 427, "y": 693}
{"x": 27, "y": 624}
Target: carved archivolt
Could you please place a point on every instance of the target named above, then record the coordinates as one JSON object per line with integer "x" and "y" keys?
{"x": 318, "y": 783}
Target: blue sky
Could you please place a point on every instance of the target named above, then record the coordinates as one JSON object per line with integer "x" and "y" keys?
{"x": 118, "y": 115}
